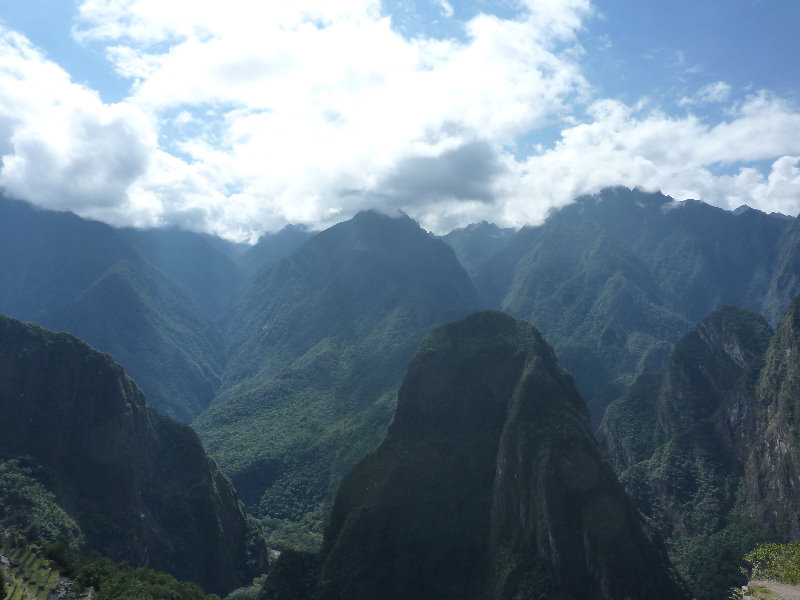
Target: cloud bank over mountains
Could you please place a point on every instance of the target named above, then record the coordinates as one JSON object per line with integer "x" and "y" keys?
{"x": 244, "y": 116}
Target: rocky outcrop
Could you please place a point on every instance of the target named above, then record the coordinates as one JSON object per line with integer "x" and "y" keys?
{"x": 488, "y": 484}
{"x": 140, "y": 485}
{"x": 773, "y": 467}
{"x": 709, "y": 377}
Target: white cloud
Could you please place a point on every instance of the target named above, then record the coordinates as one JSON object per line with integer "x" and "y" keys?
{"x": 680, "y": 156}
{"x": 61, "y": 146}
{"x": 709, "y": 94}
{"x": 316, "y": 103}
{"x": 714, "y": 92}
{"x": 447, "y": 9}
{"x": 247, "y": 116}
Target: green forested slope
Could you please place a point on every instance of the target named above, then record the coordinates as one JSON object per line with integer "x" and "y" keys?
{"x": 206, "y": 267}
{"x": 613, "y": 280}
{"x": 476, "y": 244}
{"x": 317, "y": 346}
{"x": 772, "y": 469}
{"x": 696, "y": 450}
{"x": 271, "y": 247}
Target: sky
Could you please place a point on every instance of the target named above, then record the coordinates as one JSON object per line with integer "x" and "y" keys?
{"x": 240, "y": 117}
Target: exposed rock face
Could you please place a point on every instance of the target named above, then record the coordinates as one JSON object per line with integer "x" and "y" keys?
{"x": 488, "y": 485}
{"x": 711, "y": 369}
{"x": 707, "y": 447}
{"x": 140, "y": 485}
{"x": 729, "y": 393}
{"x": 773, "y": 468}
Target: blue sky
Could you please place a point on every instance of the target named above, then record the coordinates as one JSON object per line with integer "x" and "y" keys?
{"x": 242, "y": 118}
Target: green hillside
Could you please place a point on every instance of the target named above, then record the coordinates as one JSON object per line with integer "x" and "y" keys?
{"x": 706, "y": 448}
{"x": 614, "y": 279}
{"x": 317, "y": 346}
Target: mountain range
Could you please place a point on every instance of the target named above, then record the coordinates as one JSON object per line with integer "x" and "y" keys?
{"x": 707, "y": 448}
{"x": 287, "y": 356}
{"x": 613, "y": 280}
{"x": 318, "y": 343}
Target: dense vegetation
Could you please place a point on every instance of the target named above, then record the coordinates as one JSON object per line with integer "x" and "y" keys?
{"x": 27, "y": 505}
{"x": 318, "y": 344}
{"x": 120, "y": 581}
{"x": 69, "y": 274}
{"x": 53, "y": 570}
{"x": 488, "y": 484}
{"x": 779, "y": 562}
{"x": 706, "y": 447}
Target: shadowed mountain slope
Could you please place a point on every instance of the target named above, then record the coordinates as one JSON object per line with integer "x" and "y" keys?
{"x": 69, "y": 274}
{"x": 205, "y": 266}
{"x": 476, "y": 244}
{"x": 488, "y": 484}
{"x": 271, "y": 247}
{"x": 139, "y": 485}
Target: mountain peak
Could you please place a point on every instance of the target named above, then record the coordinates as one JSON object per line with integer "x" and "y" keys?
{"x": 488, "y": 482}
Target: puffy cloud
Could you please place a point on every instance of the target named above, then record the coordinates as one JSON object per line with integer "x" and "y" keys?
{"x": 683, "y": 157}
{"x": 711, "y": 93}
{"x": 304, "y": 111}
{"x": 464, "y": 173}
{"x": 245, "y": 116}
{"x": 60, "y": 145}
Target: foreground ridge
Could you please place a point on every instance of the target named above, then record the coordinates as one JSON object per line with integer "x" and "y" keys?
{"x": 488, "y": 484}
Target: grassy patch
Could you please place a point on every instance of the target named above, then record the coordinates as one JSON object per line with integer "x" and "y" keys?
{"x": 760, "y": 592}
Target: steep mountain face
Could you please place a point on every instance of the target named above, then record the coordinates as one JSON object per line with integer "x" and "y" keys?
{"x": 139, "y": 485}
{"x": 680, "y": 439}
{"x": 476, "y": 244}
{"x": 709, "y": 370}
{"x": 69, "y": 274}
{"x": 488, "y": 484}
{"x": 317, "y": 345}
{"x": 615, "y": 279}
{"x": 781, "y": 277}
{"x": 772, "y": 471}
{"x": 206, "y": 267}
